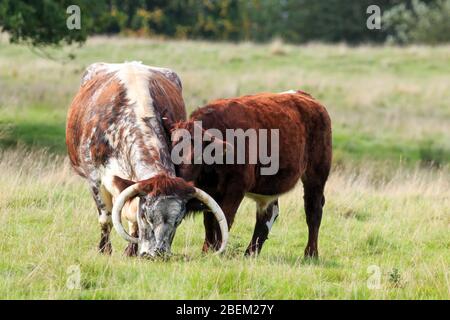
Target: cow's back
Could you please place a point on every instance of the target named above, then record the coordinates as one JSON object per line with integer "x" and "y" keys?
{"x": 122, "y": 113}
{"x": 303, "y": 123}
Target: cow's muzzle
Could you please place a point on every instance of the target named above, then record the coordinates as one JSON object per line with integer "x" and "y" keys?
{"x": 136, "y": 189}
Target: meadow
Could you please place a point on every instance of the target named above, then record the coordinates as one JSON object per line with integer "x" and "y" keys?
{"x": 385, "y": 231}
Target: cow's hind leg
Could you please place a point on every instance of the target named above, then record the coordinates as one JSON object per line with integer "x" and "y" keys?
{"x": 104, "y": 206}
{"x": 265, "y": 218}
{"x": 314, "y": 201}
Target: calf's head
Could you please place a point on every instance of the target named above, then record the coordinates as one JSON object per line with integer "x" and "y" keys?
{"x": 162, "y": 207}
{"x": 194, "y": 148}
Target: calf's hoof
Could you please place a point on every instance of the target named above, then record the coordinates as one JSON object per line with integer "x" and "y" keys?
{"x": 311, "y": 253}
{"x": 252, "y": 251}
{"x": 251, "y": 254}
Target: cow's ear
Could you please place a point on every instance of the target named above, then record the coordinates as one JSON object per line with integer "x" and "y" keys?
{"x": 121, "y": 184}
{"x": 168, "y": 125}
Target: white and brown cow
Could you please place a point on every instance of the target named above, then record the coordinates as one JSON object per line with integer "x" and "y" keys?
{"x": 117, "y": 137}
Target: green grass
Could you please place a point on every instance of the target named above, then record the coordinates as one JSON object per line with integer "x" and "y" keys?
{"x": 48, "y": 225}
{"x": 388, "y": 197}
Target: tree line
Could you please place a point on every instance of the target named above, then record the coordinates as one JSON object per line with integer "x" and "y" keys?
{"x": 294, "y": 21}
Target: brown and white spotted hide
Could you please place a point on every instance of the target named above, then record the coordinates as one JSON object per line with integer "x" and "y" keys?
{"x": 118, "y": 128}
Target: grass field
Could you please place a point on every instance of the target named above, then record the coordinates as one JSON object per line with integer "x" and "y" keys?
{"x": 385, "y": 231}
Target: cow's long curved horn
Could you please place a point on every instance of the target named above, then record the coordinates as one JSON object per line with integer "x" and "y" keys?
{"x": 218, "y": 213}
{"x": 126, "y": 194}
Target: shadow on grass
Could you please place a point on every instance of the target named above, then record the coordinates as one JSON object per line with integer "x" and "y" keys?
{"x": 292, "y": 260}
{"x": 349, "y": 145}
{"x": 316, "y": 262}
{"x": 39, "y": 135}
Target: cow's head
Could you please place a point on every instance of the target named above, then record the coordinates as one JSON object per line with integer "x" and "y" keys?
{"x": 162, "y": 207}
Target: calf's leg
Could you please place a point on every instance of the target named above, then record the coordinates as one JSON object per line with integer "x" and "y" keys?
{"x": 212, "y": 232}
{"x": 265, "y": 218}
{"x": 229, "y": 204}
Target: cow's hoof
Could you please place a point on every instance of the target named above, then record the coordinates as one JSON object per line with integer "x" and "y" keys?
{"x": 131, "y": 250}
{"x": 105, "y": 248}
{"x": 211, "y": 247}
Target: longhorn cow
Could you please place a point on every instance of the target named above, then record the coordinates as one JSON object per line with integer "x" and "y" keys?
{"x": 117, "y": 137}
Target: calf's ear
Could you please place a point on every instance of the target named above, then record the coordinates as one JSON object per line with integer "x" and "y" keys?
{"x": 121, "y": 184}
{"x": 223, "y": 147}
{"x": 195, "y": 205}
{"x": 218, "y": 143}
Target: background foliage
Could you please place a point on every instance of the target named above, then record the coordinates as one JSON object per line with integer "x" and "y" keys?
{"x": 296, "y": 21}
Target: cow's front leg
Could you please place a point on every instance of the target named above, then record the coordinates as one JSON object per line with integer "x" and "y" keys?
{"x": 132, "y": 249}
{"x": 265, "y": 218}
{"x": 229, "y": 204}
{"x": 212, "y": 232}
{"x": 104, "y": 205}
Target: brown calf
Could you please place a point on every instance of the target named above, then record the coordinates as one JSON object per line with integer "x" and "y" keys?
{"x": 305, "y": 153}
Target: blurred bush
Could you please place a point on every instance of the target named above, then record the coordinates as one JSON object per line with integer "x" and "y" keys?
{"x": 296, "y": 21}
{"x": 418, "y": 22}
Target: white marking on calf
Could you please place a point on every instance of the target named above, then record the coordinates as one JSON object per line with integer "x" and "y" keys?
{"x": 275, "y": 213}
{"x": 262, "y": 202}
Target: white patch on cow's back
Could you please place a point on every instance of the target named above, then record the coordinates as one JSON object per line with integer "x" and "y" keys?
{"x": 99, "y": 67}
{"x": 288, "y": 92}
{"x": 135, "y": 78}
